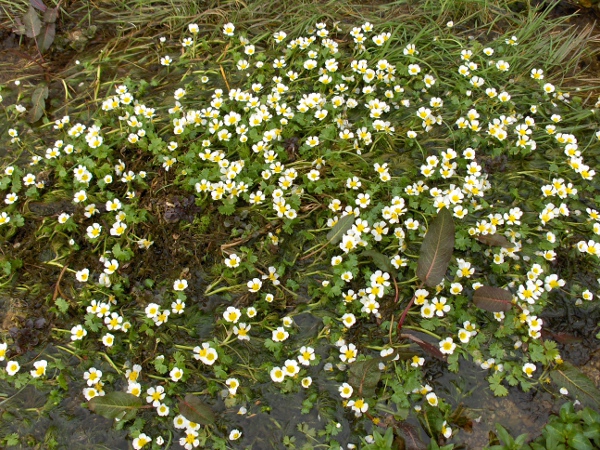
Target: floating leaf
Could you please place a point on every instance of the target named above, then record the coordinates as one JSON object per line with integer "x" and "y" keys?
{"x": 436, "y": 249}
{"x": 381, "y": 261}
{"x": 32, "y": 23}
{"x": 46, "y": 38}
{"x": 192, "y": 408}
{"x": 116, "y": 405}
{"x": 492, "y": 299}
{"x": 426, "y": 346}
{"x": 364, "y": 376}
{"x": 38, "y": 99}
{"x": 495, "y": 239}
{"x": 570, "y": 377}
{"x": 340, "y": 228}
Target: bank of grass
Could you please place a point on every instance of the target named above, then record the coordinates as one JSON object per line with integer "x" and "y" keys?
{"x": 319, "y": 292}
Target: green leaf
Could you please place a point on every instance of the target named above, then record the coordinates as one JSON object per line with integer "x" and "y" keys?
{"x": 116, "y": 405}
{"x": 570, "y": 377}
{"x": 340, "y": 228}
{"x": 38, "y": 99}
{"x": 495, "y": 239}
{"x": 580, "y": 442}
{"x": 12, "y": 439}
{"x": 436, "y": 249}
{"x": 122, "y": 254}
{"x": 32, "y": 23}
{"x": 61, "y": 304}
{"x": 364, "y": 376}
{"x": 381, "y": 261}
{"x": 193, "y": 409}
{"x": 492, "y": 299}
{"x": 504, "y": 435}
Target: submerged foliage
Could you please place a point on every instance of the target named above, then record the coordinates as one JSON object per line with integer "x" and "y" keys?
{"x": 289, "y": 219}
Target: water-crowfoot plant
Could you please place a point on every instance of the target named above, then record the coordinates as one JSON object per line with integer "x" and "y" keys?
{"x": 307, "y": 217}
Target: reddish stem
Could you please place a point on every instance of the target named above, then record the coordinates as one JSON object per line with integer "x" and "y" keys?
{"x": 405, "y": 312}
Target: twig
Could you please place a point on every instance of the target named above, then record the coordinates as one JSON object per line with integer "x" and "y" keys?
{"x": 57, "y": 287}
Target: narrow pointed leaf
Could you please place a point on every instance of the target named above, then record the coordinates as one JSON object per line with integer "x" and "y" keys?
{"x": 436, "y": 249}
{"x": 570, "y": 377}
{"x": 116, "y": 405}
{"x": 46, "y": 38}
{"x": 39, "y": 4}
{"x": 381, "y": 261}
{"x": 32, "y": 22}
{"x": 563, "y": 338}
{"x": 493, "y": 299}
{"x": 495, "y": 239}
{"x": 340, "y": 228}
{"x": 38, "y": 100}
{"x": 426, "y": 346}
{"x": 364, "y": 376}
{"x": 192, "y": 408}
{"x": 50, "y": 15}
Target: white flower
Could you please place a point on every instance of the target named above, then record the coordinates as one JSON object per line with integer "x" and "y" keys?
{"x": 528, "y": 369}
{"x": 82, "y": 275}
{"x": 12, "y": 367}
{"x": 228, "y": 29}
{"x": 235, "y": 435}
{"x": 254, "y": 285}
{"x": 348, "y": 320}
{"x": 447, "y": 346}
{"x": 78, "y": 333}
{"x": 345, "y": 390}
{"x": 280, "y": 334}
{"x": 277, "y": 375}
{"x": 39, "y": 368}
{"x": 206, "y": 354}
{"x": 180, "y": 285}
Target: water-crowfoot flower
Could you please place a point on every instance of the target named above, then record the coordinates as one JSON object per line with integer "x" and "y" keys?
{"x": 232, "y": 314}
{"x": 206, "y": 354}
{"x": 234, "y": 435}
{"x": 141, "y": 441}
{"x": 279, "y": 334}
{"x": 12, "y": 367}
{"x": 154, "y": 395}
{"x": 447, "y": 346}
{"x": 78, "y": 333}
{"x": 345, "y": 390}
{"x": 180, "y": 285}
{"x": 176, "y": 374}
{"x": 277, "y": 374}
{"x": 528, "y": 369}
{"x": 348, "y": 353}
{"x": 359, "y": 406}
